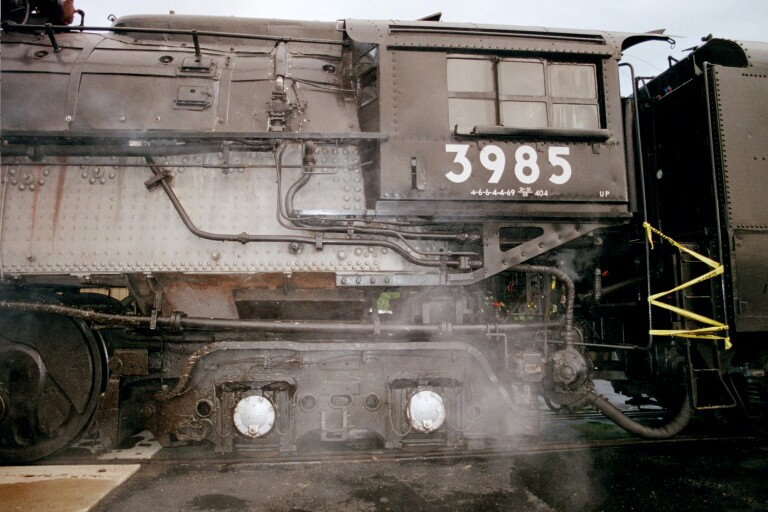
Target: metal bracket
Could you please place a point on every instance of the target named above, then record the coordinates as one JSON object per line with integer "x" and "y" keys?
{"x": 418, "y": 176}
{"x": 196, "y": 65}
{"x": 376, "y": 322}
{"x": 496, "y": 260}
{"x": 279, "y": 108}
{"x": 287, "y": 282}
{"x": 155, "y": 180}
{"x": 333, "y": 434}
{"x": 156, "y": 310}
{"x": 193, "y": 97}
{"x": 388, "y": 279}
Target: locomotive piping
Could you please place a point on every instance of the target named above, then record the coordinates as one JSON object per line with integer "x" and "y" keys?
{"x": 682, "y": 418}
{"x": 3, "y": 193}
{"x": 610, "y": 411}
{"x": 308, "y": 160}
{"x": 570, "y": 294}
{"x": 179, "y": 321}
{"x": 675, "y": 426}
{"x": 287, "y": 212}
{"x": 244, "y": 238}
{"x": 38, "y": 151}
{"x": 10, "y": 26}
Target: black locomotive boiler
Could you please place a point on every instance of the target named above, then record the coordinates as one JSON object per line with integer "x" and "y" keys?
{"x": 281, "y": 236}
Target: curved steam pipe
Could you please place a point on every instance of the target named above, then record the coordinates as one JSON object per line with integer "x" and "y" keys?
{"x": 674, "y": 427}
{"x": 244, "y": 238}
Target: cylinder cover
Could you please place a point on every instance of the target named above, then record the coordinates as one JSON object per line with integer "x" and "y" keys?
{"x": 254, "y": 416}
{"x": 426, "y": 411}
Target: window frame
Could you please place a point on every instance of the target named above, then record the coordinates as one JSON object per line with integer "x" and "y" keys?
{"x": 367, "y": 78}
{"x": 548, "y": 99}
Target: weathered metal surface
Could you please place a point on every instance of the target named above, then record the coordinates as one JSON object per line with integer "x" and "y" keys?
{"x": 421, "y": 137}
{"x": 223, "y": 96}
{"x": 442, "y": 35}
{"x": 743, "y": 158}
{"x": 239, "y": 86}
{"x": 347, "y": 392}
{"x": 96, "y": 215}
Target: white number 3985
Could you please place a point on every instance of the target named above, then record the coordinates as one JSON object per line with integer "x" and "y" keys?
{"x": 527, "y": 169}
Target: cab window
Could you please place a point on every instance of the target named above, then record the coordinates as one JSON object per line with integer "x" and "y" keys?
{"x": 521, "y": 93}
{"x": 365, "y": 71}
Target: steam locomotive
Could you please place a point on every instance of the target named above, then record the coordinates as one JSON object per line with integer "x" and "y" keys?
{"x": 282, "y": 236}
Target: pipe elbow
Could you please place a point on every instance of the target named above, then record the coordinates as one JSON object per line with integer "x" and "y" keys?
{"x": 674, "y": 427}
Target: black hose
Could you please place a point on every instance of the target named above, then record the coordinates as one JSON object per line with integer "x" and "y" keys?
{"x": 670, "y": 429}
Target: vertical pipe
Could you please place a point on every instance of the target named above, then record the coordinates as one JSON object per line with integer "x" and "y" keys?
{"x": 52, "y": 37}
{"x": 570, "y": 289}
{"x": 643, "y": 196}
{"x": 196, "y": 41}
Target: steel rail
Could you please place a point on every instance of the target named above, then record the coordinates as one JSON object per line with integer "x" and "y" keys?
{"x": 243, "y": 456}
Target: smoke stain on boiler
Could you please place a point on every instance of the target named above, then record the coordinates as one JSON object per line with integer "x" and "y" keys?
{"x": 33, "y": 220}
{"x": 61, "y": 177}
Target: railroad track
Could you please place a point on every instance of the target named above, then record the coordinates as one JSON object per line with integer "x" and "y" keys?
{"x": 205, "y": 455}
{"x": 588, "y": 430}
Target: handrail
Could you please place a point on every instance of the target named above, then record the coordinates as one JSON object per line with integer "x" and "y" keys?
{"x": 10, "y": 26}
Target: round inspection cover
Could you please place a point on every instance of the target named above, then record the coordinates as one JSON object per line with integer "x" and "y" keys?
{"x": 426, "y": 411}
{"x": 254, "y": 416}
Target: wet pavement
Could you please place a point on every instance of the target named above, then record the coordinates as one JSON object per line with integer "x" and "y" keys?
{"x": 689, "y": 475}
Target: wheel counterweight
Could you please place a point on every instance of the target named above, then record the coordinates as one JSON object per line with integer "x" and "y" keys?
{"x": 50, "y": 380}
